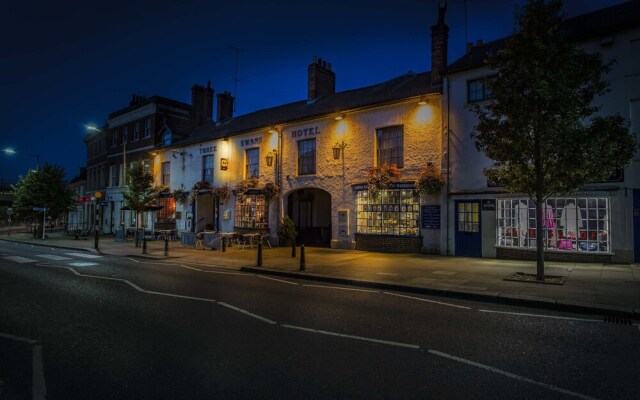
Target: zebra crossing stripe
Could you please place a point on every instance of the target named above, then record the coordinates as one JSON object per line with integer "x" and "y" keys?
{"x": 53, "y": 257}
{"x": 83, "y": 255}
{"x": 19, "y": 259}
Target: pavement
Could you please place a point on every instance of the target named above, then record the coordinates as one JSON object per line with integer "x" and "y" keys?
{"x": 611, "y": 290}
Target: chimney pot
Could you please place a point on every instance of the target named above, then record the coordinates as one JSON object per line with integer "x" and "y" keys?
{"x": 479, "y": 43}
{"x": 469, "y": 47}
{"x": 321, "y": 80}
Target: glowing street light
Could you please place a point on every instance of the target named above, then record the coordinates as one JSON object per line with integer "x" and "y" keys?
{"x": 10, "y": 151}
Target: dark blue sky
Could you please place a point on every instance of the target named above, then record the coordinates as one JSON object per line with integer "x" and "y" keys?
{"x": 70, "y": 63}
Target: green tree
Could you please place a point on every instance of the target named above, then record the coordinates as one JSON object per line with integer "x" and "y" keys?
{"x": 540, "y": 128}
{"x": 45, "y": 187}
{"x": 140, "y": 192}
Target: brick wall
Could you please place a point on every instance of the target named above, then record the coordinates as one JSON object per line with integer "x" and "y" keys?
{"x": 521, "y": 254}
{"x": 388, "y": 243}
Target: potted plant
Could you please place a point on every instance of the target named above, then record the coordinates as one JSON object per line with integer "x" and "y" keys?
{"x": 380, "y": 178}
{"x": 197, "y": 187}
{"x": 430, "y": 180}
{"x": 222, "y": 193}
{"x": 180, "y": 196}
{"x": 287, "y": 231}
{"x": 270, "y": 190}
{"x": 243, "y": 186}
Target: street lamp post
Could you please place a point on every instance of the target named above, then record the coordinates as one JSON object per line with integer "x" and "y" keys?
{"x": 12, "y": 152}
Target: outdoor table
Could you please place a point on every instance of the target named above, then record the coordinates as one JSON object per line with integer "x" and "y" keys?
{"x": 251, "y": 237}
{"x": 228, "y": 237}
{"x": 165, "y": 233}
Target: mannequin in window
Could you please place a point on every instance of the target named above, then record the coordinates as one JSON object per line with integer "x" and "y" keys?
{"x": 522, "y": 214}
{"x": 549, "y": 222}
{"x": 570, "y": 219}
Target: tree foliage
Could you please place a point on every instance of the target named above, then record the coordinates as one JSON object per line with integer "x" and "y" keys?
{"x": 140, "y": 192}
{"x": 45, "y": 187}
{"x": 540, "y": 128}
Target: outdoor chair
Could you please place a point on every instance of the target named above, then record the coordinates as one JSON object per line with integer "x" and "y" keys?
{"x": 264, "y": 238}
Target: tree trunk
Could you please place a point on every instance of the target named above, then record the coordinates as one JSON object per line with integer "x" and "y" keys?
{"x": 539, "y": 240}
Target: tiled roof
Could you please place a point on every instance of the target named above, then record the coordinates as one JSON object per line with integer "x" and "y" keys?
{"x": 405, "y": 86}
{"x": 596, "y": 24}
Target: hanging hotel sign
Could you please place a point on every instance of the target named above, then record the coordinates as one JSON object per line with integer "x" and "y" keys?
{"x": 224, "y": 164}
{"x": 298, "y": 133}
{"x": 251, "y": 141}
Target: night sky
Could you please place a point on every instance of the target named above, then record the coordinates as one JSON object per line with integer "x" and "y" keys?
{"x": 70, "y": 63}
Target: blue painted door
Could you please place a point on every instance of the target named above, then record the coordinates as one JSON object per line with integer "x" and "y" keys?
{"x": 636, "y": 224}
{"x": 468, "y": 232}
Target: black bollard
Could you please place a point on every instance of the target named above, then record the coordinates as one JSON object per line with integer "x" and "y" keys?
{"x": 224, "y": 244}
{"x": 144, "y": 245}
{"x": 293, "y": 248}
{"x": 97, "y": 236}
{"x": 166, "y": 247}
{"x": 259, "y": 254}
{"x": 302, "y": 263}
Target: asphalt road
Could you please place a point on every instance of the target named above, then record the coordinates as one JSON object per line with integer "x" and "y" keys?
{"x": 77, "y": 325}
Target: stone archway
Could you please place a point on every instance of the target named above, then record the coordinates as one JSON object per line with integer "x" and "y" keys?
{"x": 310, "y": 210}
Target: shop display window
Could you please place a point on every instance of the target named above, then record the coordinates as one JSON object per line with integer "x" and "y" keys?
{"x": 251, "y": 212}
{"x": 393, "y": 212}
{"x": 571, "y": 223}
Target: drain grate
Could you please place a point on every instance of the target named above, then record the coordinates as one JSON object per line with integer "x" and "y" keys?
{"x": 618, "y": 320}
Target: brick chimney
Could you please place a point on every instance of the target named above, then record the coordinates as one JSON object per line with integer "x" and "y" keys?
{"x": 201, "y": 105}
{"x": 137, "y": 99}
{"x": 225, "y": 107}
{"x": 321, "y": 80}
{"x": 439, "y": 39}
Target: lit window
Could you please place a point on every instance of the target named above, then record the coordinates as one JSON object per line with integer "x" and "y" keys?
{"x": 392, "y": 212}
{"x": 307, "y": 157}
{"x": 390, "y": 144}
{"x": 251, "y": 212}
{"x": 252, "y": 163}
{"x": 568, "y": 223}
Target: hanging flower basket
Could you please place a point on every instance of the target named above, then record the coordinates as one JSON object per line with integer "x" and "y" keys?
{"x": 380, "y": 178}
{"x": 197, "y": 187}
{"x": 243, "y": 186}
{"x": 271, "y": 191}
{"x": 222, "y": 193}
{"x": 430, "y": 180}
{"x": 180, "y": 196}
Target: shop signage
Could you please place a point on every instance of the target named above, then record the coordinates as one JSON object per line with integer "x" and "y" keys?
{"x": 251, "y": 141}
{"x": 430, "y": 216}
{"x": 208, "y": 149}
{"x": 488, "y": 205}
{"x": 224, "y": 164}
{"x": 397, "y": 185}
{"x": 305, "y": 132}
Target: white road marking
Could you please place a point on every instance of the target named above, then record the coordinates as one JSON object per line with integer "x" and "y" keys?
{"x": 83, "y": 264}
{"x": 541, "y": 316}
{"x": 247, "y": 313}
{"x": 366, "y": 339}
{"x": 214, "y": 272}
{"x": 277, "y": 280}
{"x": 342, "y": 288}
{"x": 179, "y": 296}
{"x": 133, "y": 259}
{"x": 510, "y": 375}
{"x": 19, "y": 259}
{"x": 83, "y": 255}
{"x": 428, "y": 301}
{"x": 444, "y": 272}
{"x": 53, "y": 257}
{"x": 386, "y": 273}
{"x": 18, "y": 338}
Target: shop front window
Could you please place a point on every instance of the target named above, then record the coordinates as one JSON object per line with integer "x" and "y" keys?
{"x": 251, "y": 212}
{"x": 392, "y": 212}
{"x": 571, "y": 223}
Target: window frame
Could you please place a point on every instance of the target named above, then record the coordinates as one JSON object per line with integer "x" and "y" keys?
{"x": 394, "y": 212}
{"x": 147, "y": 128}
{"x": 165, "y": 173}
{"x": 393, "y": 154}
{"x": 207, "y": 168}
{"x": 305, "y": 165}
{"x": 481, "y": 92}
{"x": 251, "y": 211}
{"x": 252, "y": 159}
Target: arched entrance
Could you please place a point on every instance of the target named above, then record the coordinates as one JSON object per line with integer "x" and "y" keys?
{"x": 310, "y": 210}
